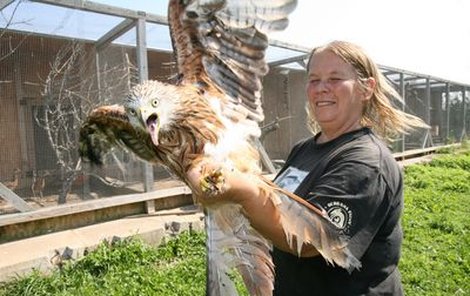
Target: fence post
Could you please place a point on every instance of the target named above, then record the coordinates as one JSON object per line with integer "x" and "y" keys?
{"x": 142, "y": 64}
{"x": 464, "y": 113}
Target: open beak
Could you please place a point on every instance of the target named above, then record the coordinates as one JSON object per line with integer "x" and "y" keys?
{"x": 152, "y": 123}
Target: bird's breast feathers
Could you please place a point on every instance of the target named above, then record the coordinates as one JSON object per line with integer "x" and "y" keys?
{"x": 233, "y": 145}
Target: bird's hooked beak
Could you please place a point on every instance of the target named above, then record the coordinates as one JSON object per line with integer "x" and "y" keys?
{"x": 151, "y": 122}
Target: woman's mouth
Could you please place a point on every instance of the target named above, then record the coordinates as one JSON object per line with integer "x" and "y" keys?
{"x": 324, "y": 103}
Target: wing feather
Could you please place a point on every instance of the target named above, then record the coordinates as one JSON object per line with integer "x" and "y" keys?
{"x": 233, "y": 245}
{"x": 107, "y": 127}
{"x": 266, "y": 16}
{"x": 223, "y": 75}
{"x": 305, "y": 224}
{"x": 223, "y": 43}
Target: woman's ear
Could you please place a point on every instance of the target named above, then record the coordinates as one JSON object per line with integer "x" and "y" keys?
{"x": 369, "y": 87}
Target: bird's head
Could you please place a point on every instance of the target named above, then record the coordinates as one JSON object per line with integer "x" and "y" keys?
{"x": 151, "y": 106}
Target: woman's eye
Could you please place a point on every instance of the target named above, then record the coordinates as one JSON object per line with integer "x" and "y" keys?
{"x": 314, "y": 81}
{"x": 154, "y": 102}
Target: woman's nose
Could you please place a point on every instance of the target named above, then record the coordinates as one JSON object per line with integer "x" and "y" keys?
{"x": 324, "y": 85}
{"x": 320, "y": 86}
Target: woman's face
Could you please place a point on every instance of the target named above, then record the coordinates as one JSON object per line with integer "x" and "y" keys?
{"x": 334, "y": 94}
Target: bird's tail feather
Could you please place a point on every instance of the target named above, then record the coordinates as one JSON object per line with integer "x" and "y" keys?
{"x": 232, "y": 244}
{"x": 218, "y": 280}
{"x": 303, "y": 223}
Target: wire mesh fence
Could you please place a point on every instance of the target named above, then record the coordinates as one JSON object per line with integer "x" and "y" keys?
{"x": 47, "y": 87}
{"x": 49, "y": 83}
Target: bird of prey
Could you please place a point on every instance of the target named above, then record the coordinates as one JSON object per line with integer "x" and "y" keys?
{"x": 211, "y": 114}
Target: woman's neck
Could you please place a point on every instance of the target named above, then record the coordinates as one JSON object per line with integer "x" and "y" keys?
{"x": 328, "y": 135}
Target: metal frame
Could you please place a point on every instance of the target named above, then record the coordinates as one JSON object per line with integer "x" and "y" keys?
{"x": 464, "y": 112}
{"x": 5, "y": 3}
{"x": 400, "y": 78}
{"x": 106, "y": 9}
{"x": 157, "y": 19}
{"x": 14, "y": 199}
{"x": 115, "y": 33}
{"x": 138, "y": 19}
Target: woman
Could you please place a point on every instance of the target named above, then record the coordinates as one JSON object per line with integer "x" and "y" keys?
{"x": 345, "y": 169}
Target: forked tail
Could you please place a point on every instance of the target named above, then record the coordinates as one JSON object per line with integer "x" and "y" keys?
{"x": 233, "y": 245}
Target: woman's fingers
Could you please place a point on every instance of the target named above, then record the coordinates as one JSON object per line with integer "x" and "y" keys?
{"x": 208, "y": 182}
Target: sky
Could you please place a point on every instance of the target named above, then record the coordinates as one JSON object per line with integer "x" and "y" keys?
{"x": 425, "y": 36}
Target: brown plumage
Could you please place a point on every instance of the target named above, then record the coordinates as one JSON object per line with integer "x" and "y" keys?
{"x": 212, "y": 114}
{"x": 38, "y": 182}
{"x": 13, "y": 184}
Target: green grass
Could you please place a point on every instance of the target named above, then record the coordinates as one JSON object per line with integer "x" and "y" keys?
{"x": 127, "y": 267}
{"x": 436, "y": 246}
{"x": 435, "y": 255}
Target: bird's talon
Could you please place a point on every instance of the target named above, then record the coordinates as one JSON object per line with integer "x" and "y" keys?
{"x": 212, "y": 182}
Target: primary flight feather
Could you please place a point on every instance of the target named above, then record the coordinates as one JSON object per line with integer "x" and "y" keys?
{"x": 211, "y": 113}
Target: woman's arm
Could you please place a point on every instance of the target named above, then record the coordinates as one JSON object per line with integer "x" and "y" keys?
{"x": 257, "y": 205}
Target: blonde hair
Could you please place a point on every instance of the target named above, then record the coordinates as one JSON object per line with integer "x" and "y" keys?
{"x": 378, "y": 112}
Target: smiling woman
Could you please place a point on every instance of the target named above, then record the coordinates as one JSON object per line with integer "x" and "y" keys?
{"x": 335, "y": 96}
{"x": 346, "y": 90}
{"x": 348, "y": 171}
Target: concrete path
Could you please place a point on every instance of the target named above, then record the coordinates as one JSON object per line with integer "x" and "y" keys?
{"x": 45, "y": 251}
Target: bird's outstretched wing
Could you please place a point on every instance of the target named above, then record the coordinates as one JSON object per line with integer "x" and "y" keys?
{"x": 211, "y": 114}
{"x": 221, "y": 44}
{"x": 220, "y": 47}
{"x": 107, "y": 127}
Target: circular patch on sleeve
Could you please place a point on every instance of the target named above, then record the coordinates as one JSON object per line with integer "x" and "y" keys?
{"x": 340, "y": 215}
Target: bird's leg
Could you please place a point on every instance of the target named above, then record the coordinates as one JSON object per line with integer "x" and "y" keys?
{"x": 212, "y": 181}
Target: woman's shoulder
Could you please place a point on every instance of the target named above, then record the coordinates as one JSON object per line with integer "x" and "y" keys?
{"x": 369, "y": 149}
{"x": 302, "y": 144}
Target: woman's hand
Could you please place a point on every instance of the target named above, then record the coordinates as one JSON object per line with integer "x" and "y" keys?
{"x": 213, "y": 183}
{"x": 232, "y": 186}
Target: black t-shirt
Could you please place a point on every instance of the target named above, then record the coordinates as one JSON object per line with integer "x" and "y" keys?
{"x": 359, "y": 184}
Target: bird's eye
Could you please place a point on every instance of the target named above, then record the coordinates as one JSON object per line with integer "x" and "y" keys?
{"x": 154, "y": 102}
{"x": 132, "y": 111}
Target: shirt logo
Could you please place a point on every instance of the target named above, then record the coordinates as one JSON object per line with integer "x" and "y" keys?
{"x": 291, "y": 178}
{"x": 340, "y": 215}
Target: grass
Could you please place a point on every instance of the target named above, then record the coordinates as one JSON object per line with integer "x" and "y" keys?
{"x": 127, "y": 267}
{"x": 436, "y": 246}
{"x": 435, "y": 254}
